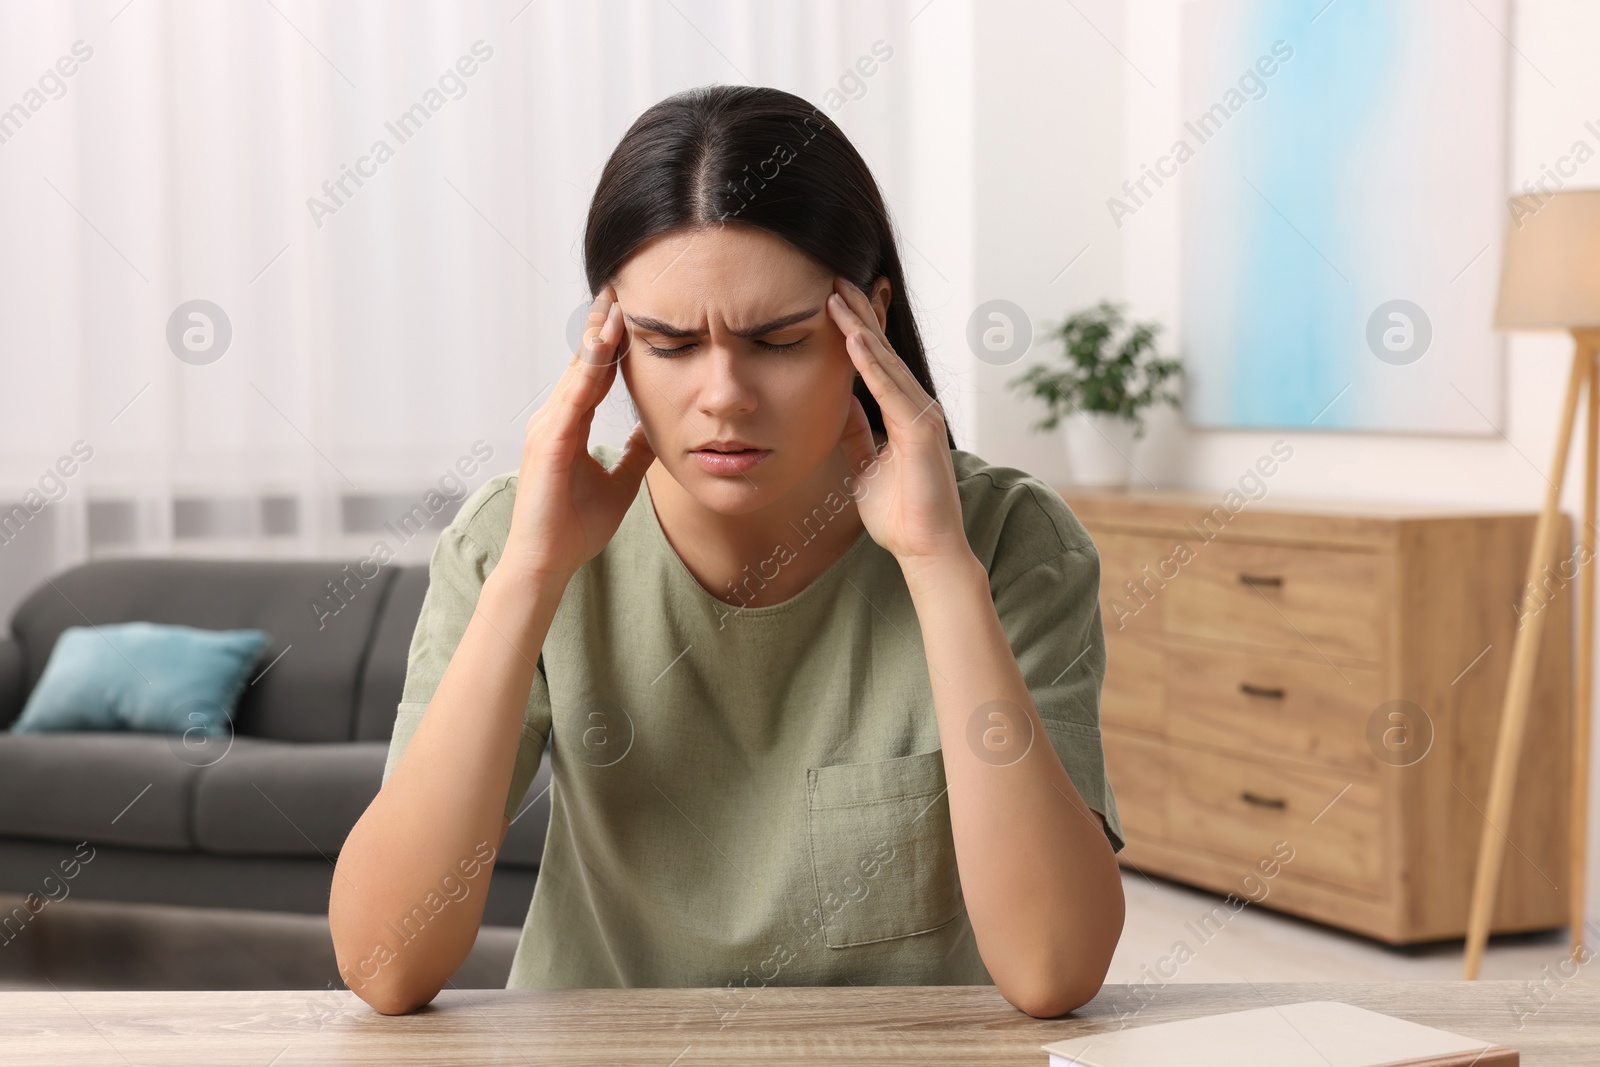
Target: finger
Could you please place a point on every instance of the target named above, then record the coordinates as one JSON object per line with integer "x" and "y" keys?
{"x": 901, "y": 410}
{"x": 900, "y": 404}
{"x": 637, "y": 455}
{"x": 586, "y": 355}
{"x": 861, "y": 304}
{"x": 600, "y": 337}
{"x": 597, "y": 357}
{"x": 854, "y": 330}
{"x": 589, "y": 402}
{"x": 588, "y": 376}
{"x": 598, "y": 367}
{"x": 587, "y": 379}
{"x": 861, "y": 310}
{"x": 592, "y": 324}
{"x": 898, "y": 408}
{"x": 599, "y": 307}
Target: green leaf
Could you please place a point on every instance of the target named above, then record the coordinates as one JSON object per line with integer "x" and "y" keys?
{"x": 1107, "y": 365}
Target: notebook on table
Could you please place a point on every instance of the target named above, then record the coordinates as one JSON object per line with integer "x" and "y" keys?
{"x": 1317, "y": 1033}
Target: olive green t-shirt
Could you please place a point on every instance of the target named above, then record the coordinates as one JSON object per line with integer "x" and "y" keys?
{"x": 745, "y": 796}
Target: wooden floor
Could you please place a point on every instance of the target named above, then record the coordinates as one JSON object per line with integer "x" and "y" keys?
{"x": 90, "y": 945}
{"x": 1259, "y": 945}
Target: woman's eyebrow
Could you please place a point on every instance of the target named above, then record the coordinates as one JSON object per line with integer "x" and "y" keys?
{"x": 644, "y": 322}
{"x": 777, "y": 324}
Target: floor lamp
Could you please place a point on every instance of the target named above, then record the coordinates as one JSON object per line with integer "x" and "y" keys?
{"x": 1549, "y": 280}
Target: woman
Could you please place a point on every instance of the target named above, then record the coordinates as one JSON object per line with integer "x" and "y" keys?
{"x": 812, "y": 698}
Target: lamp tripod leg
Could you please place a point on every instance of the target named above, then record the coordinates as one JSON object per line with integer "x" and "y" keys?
{"x": 1583, "y": 701}
{"x": 1519, "y": 684}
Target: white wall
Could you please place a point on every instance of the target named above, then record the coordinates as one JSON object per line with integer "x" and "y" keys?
{"x": 1047, "y": 144}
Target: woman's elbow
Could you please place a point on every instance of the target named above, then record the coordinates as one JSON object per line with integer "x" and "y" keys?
{"x": 391, "y": 994}
{"x": 1051, "y": 1000}
{"x": 397, "y": 1003}
{"x": 1068, "y": 977}
{"x": 382, "y": 979}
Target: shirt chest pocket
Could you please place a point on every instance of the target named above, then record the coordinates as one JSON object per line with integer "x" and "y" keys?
{"x": 882, "y": 855}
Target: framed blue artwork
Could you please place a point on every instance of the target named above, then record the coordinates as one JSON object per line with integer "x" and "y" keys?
{"x": 1343, "y": 201}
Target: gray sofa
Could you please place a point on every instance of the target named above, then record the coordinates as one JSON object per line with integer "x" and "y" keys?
{"x": 252, "y": 823}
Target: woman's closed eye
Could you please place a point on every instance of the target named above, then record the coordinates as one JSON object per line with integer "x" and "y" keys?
{"x": 779, "y": 346}
{"x": 684, "y": 349}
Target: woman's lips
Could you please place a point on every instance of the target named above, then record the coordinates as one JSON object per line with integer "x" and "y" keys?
{"x": 727, "y": 463}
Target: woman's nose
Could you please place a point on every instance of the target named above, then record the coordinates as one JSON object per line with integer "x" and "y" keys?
{"x": 724, "y": 388}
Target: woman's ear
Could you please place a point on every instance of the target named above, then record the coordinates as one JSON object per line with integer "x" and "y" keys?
{"x": 882, "y": 291}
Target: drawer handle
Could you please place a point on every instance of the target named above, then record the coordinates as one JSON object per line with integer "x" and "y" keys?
{"x": 1275, "y": 803}
{"x": 1261, "y": 579}
{"x": 1261, "y": 691}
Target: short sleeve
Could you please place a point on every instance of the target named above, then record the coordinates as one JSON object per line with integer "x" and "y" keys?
{"x": 1051, "y": 615}
{"x": 456, "y": 572}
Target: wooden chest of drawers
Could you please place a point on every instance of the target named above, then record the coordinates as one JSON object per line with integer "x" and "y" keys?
{"x": 1329, "y": 677}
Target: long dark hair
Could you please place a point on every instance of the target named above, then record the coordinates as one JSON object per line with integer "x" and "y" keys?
{"x": 767, "y": 158}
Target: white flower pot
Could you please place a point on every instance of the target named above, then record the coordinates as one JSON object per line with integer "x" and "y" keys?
{"x": 1099, "y": 448}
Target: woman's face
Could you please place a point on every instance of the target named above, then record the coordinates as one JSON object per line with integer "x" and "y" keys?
{"x": 729, "y": 341}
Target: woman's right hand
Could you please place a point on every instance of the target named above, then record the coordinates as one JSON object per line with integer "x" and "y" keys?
{"x": 568, "y": 505}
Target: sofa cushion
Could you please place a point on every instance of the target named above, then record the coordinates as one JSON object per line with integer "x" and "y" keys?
{"x": 143, "y": 676}
{"x": 280, "y": 798}
{"x": 319, "y": 613}
{"x": 112, "y": 787}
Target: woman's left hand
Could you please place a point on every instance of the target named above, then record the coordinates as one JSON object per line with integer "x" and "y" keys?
{"x": 906, "y": 492}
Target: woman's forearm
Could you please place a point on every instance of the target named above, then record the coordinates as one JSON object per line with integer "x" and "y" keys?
{"x": 442, "y": 810}
{"x": 1039, "y": 875}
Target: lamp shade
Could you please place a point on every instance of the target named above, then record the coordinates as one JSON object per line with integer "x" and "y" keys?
{"x": 1550, "y": 264}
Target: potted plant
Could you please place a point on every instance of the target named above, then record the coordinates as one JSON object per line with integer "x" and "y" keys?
{"x": 1113, "y": 373}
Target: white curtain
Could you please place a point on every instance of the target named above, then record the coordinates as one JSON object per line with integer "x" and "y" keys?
{"x": 389, "y": 337}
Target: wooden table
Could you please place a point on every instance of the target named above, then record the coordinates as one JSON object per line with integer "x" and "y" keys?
{"x": 926, "y": 1025}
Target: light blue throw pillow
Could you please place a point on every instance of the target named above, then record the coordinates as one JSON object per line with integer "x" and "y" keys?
{"x": 142, "y": 676}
